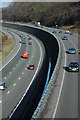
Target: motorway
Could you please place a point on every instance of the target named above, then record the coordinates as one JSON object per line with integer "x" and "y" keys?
{"x": 62, "y": 101}
{"x": 65, "y": 104}
{"x": 16, "y": 75}
{"x": 68, "y": 104}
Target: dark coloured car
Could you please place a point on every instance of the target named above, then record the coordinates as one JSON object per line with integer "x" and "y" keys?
{"x": 73, "y": 67}
{"x": 21, "y": 35}
{"x": 54, "y": 31}
{"x": 64, "y": 38}
{"x": 60, "y": 31}
{"x": 71, "y": 51}
{"x": 29, "y": 43}
{"x": 30, "y": 67}
{"x": 71, "y": 33}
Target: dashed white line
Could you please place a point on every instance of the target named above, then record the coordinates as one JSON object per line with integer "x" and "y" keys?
{"x": 31, "y": 80}
{"x": 17, "y": 64}
{"x": 5, "y": 78}
{"x": 22, "y": 73}
{"x": 8, "y": 92}
{"x": 56, "y": 106}
{"x": 14, "y": 84}
{"x": 0, "y": 101}
{"x": 19, "y": 78}
{"x": 25, "y": 68}
{"x": 10, "y": 73}
{"x": 13, "y": 68}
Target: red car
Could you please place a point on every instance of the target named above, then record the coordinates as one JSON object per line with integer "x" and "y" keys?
{"x": 28, "y": 35}
{"x": 29, "y": 43}
{"x": 30, "y": 67}
{"x": 25, "y": 54}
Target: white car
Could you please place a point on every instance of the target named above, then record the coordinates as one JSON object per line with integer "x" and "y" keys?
{"x": 2, "y": 85}
{"x": 67, "y": 31}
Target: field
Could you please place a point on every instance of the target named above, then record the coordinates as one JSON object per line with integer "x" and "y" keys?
{"x": 6, "y": 45}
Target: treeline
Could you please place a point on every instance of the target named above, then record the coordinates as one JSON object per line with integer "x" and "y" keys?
{"x": 49, "y": 14}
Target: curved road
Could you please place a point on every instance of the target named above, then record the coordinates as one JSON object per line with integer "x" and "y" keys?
{"x": 16, "y": 75}
{"x": 63, "y": 99}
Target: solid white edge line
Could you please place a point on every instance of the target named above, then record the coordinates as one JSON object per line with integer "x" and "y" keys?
{"x": 31, "y": 80}
{"x": 55, "y": 110}
{"x": 12, "y": 58}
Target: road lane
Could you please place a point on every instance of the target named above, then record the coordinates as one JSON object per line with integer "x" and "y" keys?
{"x": 18, "y": 77}
{"x": 63, "y": 104}
{"x": 68, "y": 104}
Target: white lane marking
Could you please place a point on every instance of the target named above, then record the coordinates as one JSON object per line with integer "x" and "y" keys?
{"x": 13, "y": 68}
{"x": 5, "y": 78}
{"x": 19, "y": 78}
{"x": 31, "y": 80}
{"x": 10, "y": 73}
{"x": 11, "y": 59}
{"x": 14, "y": 84}
{"x": 17, "y": 64}
{"x": 19, "y": 60}
{"x": 32, "y": 56}
{"x": 74, "y": 45}
{"x": 53, "y": 116}
{"x": 25, "y": 68}
{"x": 22, "y": 73}
{"x": 29, "y": 61}
{"x": 0, "y": 101}
{"x": 8, "y": 92}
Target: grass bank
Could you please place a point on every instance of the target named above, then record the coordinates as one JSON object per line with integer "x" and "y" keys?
{"x": 71, "y": 28}
{"x": 6, "y": 45}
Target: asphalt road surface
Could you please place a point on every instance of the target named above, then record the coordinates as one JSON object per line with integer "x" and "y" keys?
{"x": 16, "y": 75}
{"x": 63, "y": 100}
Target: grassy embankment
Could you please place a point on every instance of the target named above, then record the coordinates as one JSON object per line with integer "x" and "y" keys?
{"x": 71, "y": 28}
{"x": 6, "y": 45}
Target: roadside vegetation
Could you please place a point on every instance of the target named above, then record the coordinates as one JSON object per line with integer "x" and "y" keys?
{"x": 49, "y": 14}
{"x": 6, "y": 45}
{"x": 71, "y": 28}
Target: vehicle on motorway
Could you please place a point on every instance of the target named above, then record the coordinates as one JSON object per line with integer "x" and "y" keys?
{"x": 78, "y": 52}
{"x": 73, "y": 67}
{"x": 23, "y": 41}
{"x": 25, "y": 54}
{"x": 64, "y": 38}
{"x": 3, "y": 85}
{"x": 21, "y": 35}
{"x": 71, "y": 33}
{"x": 71, "y": 51}
{"x": 67, "y": 32}
{"x": 60, "y": 31}
{"x": 29, "y": 43}
{"x": 29, "y": 37}
{"x": 30, "y": 67}
{"x": 54, "y": 31}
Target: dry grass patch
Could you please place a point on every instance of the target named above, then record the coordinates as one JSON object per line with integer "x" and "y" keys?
{"x": 71, "y": 28}
{"x": 7, "y": 46}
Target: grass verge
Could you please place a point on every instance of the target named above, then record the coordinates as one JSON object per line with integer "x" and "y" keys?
{"x": 6, "y": 45}
{"x": 71, "y": 28}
